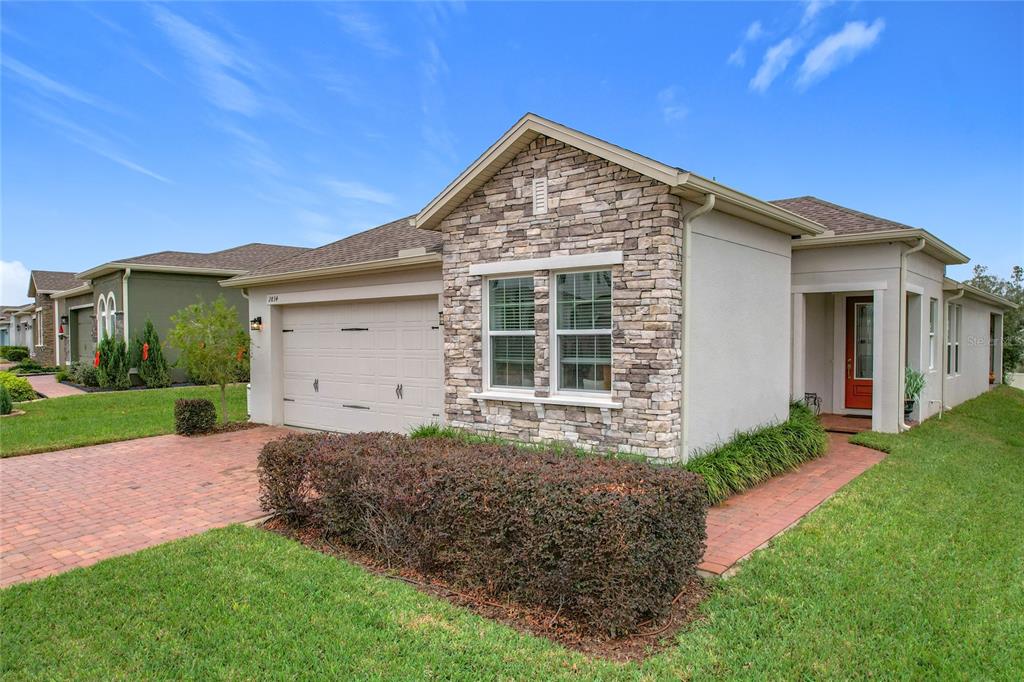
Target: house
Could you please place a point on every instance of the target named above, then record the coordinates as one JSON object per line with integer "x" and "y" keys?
{"x": 7, "y": 332}
{"x": 565, "y": 288}
{"x": 116, "y": 298}
{"x": 44, "y": 329}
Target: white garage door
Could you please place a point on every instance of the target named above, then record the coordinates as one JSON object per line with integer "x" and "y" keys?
{"x": 362, "y": 366}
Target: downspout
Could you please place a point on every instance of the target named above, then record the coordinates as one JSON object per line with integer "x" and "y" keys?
{"x": 124, "y": 300}
{"x": 56, "y": 332}
{"x": 945, "y": 340}
{"x": 902, "y": 337}
{"x": 688, "y": 218}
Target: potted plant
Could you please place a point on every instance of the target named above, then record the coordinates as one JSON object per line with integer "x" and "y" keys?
{"x": 913, "y": 384}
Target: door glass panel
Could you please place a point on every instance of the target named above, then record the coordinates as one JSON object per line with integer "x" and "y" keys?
{"x": 864, "y": 347}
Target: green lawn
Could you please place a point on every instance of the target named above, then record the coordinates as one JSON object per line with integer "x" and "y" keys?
{"x": 92, "y": 418}
{"x": 913, "y": 571}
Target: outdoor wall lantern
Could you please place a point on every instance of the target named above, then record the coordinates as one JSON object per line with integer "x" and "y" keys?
{"x": 256, "y": 324}
{"x": 63, "y": 319}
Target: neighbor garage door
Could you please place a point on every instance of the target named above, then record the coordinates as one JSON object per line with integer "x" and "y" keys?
{"x": 362, "y": 366}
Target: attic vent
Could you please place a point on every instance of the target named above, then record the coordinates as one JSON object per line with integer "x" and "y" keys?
{"x": 540, "y": 195}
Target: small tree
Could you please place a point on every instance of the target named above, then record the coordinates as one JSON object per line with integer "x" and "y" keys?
{"x": 148, "y": 357}
{"x": 112, "y": 369}
{"x": 213, "y": 345}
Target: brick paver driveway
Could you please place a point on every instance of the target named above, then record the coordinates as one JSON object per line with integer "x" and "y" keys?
{"x": 59, "y": 510}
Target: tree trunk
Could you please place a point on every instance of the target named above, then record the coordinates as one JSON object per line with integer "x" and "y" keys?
{"x": 223, "y": 404}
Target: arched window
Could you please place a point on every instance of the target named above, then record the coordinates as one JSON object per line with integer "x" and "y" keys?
{"x": 101, "y": 318}
{"x": 111, "y": 314}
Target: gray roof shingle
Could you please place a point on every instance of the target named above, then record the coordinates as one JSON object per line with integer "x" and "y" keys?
{"x": 839, "y": 219}
{"x": 245, "y": 257}
{"x": 378, "y": 243}
{"x": 50, "y": 280}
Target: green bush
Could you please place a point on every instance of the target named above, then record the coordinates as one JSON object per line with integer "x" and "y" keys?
{"x": 755, "y": 456}
{"x": 113, "y": 368}
{"x": 16, "y": 353}
{"x": 18, "y": 388}
{"x": 148, "y": 357}
{"x": 84, "y": 374}
{"x": 6, "y": 404}
{"x": 193, "y": 416}
{"x": 62, "y": 375}
{"x": 606, "y": 543}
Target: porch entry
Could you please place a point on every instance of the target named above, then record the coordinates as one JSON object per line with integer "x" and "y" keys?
{"x": 860, "y": 349}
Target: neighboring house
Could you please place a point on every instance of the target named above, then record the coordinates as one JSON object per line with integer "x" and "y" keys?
{"x": 21, "y": 322}
{"x": 46, "y": 326}
{"x": 564, "y": 288}
{"x": 117, "y": 298}
{"x": 7, "y": 324}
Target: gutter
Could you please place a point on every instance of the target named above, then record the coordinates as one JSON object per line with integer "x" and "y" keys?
{"x": 688, "y": 218}
{"x": 334, "y": 270}
{"x": 939, "y": 249}
{"x": 945, "y": 340}
{"x": 124, "y": 299}
{"x": 902, "y": 326}
{"x": 113, "y": 266}
{"x": 56, "y": 333}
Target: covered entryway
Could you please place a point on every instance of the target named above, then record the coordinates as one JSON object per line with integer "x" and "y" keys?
{"x": 362, "y": 365}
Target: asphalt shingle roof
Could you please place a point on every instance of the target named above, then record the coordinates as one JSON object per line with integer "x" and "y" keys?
{"x": 50, "y": 280}
{"x": 377, "y": 243}
{"x": 245, "y": 257}
{"x": 838, "y": 218}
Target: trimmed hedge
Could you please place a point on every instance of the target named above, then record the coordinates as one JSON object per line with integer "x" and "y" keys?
{"x": 607, "y": 543}
{"x": 6, "y": 404}
{"x": 15, "y": 353}
{"x": 19, "y": 388}
{"x": 193, "y": 416}
{"x": 755, "y": 456}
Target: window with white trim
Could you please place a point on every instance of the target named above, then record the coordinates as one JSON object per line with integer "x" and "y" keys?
{"x": 933, "y": 328}
{"x": 37, "y": 325}
{"x": 510, "y": 332}
{"x": 954, "y": 322}
{"x": 111, "y": 315}
{"x": 583, "y": 331}
{"x": 101, "y": 318}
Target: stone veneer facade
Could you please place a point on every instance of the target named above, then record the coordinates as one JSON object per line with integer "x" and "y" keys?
{"x": 593, "y": 205}
{"x": 43, "y": 333}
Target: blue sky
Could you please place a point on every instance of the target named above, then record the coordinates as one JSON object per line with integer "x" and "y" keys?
{"x": 130, "y": 128}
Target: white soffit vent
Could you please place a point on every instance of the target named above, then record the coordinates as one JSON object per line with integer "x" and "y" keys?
{"x": 540, "y": 195}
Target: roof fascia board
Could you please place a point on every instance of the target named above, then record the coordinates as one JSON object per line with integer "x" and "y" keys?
{"x": 979, "y": 294}
{"x": 114, "y": 266}
{"x": 743, "y": 205}
{"x": 334, "y": 270}
{"x": 934, "y": 246}
{"x": 67, "y": 293}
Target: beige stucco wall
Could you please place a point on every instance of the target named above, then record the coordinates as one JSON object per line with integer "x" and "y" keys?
{"x": 972, "y": 380}
{"x": 739, "y": 300}
{"x": 266, "y": 361}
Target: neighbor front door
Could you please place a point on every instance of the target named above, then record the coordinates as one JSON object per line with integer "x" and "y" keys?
{"x": 860, "y": 351}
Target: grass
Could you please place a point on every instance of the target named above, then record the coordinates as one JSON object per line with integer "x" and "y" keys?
{"x": 464, "y": 437}
{"x": 755, "y": 456}
{"x": 88, "y": 419}
{"x": 911, "y": 571}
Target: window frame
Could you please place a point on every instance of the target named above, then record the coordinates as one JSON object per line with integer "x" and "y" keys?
{"x": 933, "y": 329}
{"x": 555, "y": 347}
{"x": 954, "y": 329}
{"x": 487, "y": 333}
{"x": 101, "y": 318}
{"x": 37, "y": 328}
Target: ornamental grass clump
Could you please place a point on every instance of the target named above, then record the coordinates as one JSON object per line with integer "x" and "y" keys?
{"x": 755, "y": 456}
{"x": 606, "y": 543}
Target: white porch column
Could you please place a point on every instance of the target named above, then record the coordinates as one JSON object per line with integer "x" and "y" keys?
{"x": 877, "y": 361}
{"x": 798, "y": 343}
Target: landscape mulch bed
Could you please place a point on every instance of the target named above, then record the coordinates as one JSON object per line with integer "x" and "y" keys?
{"x": 538, "y": 621}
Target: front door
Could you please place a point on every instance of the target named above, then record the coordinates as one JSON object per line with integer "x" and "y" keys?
{"x": 860, "y": 351}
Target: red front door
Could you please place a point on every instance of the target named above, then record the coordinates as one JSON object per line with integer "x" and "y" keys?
{"x": 860, "y": 351}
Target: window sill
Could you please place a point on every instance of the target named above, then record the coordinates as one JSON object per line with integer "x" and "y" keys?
{"x": 571, "y": 401}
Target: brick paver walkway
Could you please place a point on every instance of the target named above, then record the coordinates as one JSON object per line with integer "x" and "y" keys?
{"x": 50, "y": 387}
{"x": 745, "y": 522}
{"x": 59, "y": 510}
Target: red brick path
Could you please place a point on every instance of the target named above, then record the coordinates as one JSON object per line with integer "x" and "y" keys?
{"x": 745, "y": 522}
{"x": 59, "y": 510}
{"x": 51, "y": 388}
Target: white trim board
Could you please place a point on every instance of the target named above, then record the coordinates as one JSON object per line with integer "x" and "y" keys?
{"x": 843, "y": 287}
{"x": 583, "y": 260}
{"x": 404, "y": 290}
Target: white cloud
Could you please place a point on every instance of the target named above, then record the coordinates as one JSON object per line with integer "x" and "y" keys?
{"x": 812, "y": 8}
{"x": 671, "y": 110}
{"x": 47, "y": 86}
{"x": 838, "y": 49}
{"x": 365, "y": 30}
{"x": 222, "y": 70}
{"x": 776, "y": 59}
{"x": 13, "y": 282}
{"x": 754, "y": 31}
{"x": 348, "y": 189}
{"x": 737, "y": 57}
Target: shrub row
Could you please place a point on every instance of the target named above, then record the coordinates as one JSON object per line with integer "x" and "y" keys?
{"x": 607, "y": 543}
{"x": 18, "y": 387}
{"x": 755, "y": 456}
{"x": 83, "y": 374}
{"x": 14, "y": 353}
{"x": 193, "y": 416}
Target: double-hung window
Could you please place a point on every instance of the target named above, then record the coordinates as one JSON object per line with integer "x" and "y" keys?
{"x": 583, "y": 331}
{"x": 510, "y": 332}
{"x": 954, "y": 321}
{"x": 933, "y": 328}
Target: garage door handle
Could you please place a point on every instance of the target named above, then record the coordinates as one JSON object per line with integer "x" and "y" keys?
{"x": 399, "y": 391}
{"x": 289, "y": 400}
{"x": 357, "y": 407}
{"x": 316, "y": 385}
{"x": 355, "y": 329}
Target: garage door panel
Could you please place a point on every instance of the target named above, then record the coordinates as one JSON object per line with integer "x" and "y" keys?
{"x": 359, "y": 352}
